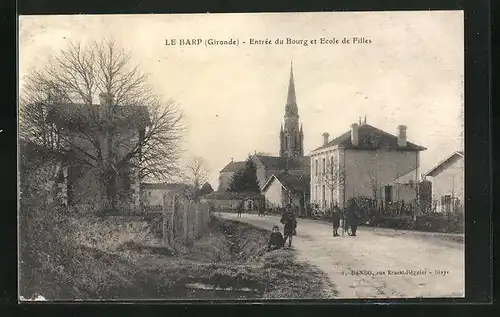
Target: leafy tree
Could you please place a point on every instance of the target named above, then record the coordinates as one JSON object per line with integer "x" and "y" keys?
{"x": 206, "y": 189}
{"x": 245, "y": 179}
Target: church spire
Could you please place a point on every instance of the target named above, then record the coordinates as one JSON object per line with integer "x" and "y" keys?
{"x": 291, "y": 101}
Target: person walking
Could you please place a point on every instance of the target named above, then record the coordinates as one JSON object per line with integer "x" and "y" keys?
{"x": 336, "y": 220}
{"x": 352, "y": 217}
{"x": 289, "y": 225}
{"x": 240, "y": 209}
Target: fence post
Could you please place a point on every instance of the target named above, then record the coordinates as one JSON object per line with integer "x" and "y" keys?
{"x": 172, "y": 220}
{"x": 164, "y": 220}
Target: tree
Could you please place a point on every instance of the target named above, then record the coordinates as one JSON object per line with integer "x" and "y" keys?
{"x": 206, "y": 189}
{"x": 74, "y": 79}
{"x": 333, "y": 176}
{"x": 245, "y": 179}
{"x": 196, "y": 174}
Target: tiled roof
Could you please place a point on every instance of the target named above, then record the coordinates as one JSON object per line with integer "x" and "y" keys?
{"x": 294, "y": 183}
{"x": 371, "y": 138}
{"x": 233, "y": 167}
{"x": 283, "y": 163}
{"x": 81, "y": 114}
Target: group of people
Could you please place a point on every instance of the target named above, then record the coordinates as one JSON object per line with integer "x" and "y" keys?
{"x": 349, "y": 220}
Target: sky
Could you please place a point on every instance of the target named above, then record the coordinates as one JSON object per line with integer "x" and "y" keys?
{"x": 407, "y": 68}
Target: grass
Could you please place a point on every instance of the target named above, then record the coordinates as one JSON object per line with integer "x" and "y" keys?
{"x": 130, "y": 266}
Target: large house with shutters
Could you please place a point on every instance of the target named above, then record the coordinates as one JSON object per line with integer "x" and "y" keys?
{"x": 363, "y": 162}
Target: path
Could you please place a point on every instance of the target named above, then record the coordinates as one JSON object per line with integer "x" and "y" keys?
{"x": 375, "y": 254}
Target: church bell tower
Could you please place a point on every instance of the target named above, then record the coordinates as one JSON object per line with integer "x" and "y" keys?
{"x": 291, "y": 136}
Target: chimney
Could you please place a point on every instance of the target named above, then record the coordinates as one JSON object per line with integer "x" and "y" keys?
{"x": 401, "y": 135}
{"x": 354, "y": 134}
{"x": 105, "y": 99}
{"x": 325, "y": 138}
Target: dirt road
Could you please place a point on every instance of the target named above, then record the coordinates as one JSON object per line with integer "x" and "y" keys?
{"x": 378, "y": 263}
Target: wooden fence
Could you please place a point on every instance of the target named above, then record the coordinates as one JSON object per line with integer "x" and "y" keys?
{"x": 183, "y": 220}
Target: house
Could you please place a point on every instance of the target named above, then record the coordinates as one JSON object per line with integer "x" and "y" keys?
{"x": 291, "y": 152}
{"x": 226, "y": 174}
{"x": 283, "y": 188}
{"x": 447, "y": 179}
{"x": 265, "y": 167}
{"x": 269, "y": 165}
{"x": 228, "y": 201}
{"x": 359, "y": 163}
{"x": 408, "y": 188}
{"x": 152, "y": 194}
{"x": 89, "y": 148}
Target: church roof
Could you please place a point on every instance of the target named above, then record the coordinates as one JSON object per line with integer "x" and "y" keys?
{"x": 291, "y": 108}
{"x": 371, "y": 138}
{"x": 283, "y": 163}
{"x": 294, "y": 183}
{"x": 233, "y": 167}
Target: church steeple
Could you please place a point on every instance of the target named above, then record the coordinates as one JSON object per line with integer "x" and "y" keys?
{"x": 291, "y": 136}
{"x": 291, "y": 100}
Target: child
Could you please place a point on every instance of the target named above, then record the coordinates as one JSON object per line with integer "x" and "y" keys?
{"x": 275, "y": 240}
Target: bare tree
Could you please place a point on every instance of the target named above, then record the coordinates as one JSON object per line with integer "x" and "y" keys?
{"x": 196, "y": 174}
{"x": 333, "y": 176}
{"x": 68, "y": 87}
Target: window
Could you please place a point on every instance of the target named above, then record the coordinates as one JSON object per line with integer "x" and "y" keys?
{"x": 316, "y": 166}
{"x": 331, "y": 165}
{"x": 324, "y": 165}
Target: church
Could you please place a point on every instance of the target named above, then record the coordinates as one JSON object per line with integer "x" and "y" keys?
{"x": 291, "y": 160}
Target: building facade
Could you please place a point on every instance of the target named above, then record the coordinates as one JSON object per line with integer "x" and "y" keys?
{"x": 448, "y": 184}
{"x": 359, "y": 163}
{"x": 89, "y": 147}
{"x": 283, "y": 188}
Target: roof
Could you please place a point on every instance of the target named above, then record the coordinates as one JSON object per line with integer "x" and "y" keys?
{"x": 226, "y": 195}
{"x": 294, "y": 183}
{"x": 77, "y": 114}
{"x": 445, "y": 163}
{"x": 371, "y": 138}
{"x": 165, "y": 186}
{"x": 233, "y": 167}
{"x": 406, "y": 178}
{"x": 285, "y": 163}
